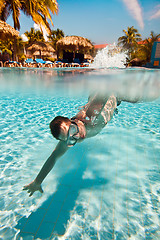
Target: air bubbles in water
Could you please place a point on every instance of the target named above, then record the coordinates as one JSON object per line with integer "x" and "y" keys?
{"x": 110, "y": 57}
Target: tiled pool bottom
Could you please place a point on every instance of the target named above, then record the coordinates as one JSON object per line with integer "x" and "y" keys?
{"x": 104, "y": 188}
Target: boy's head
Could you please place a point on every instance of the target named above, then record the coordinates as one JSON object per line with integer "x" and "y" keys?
{"x": 59, "y": 127}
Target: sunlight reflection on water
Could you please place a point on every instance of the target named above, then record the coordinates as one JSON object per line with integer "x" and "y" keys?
{"x": 106, "y": 187}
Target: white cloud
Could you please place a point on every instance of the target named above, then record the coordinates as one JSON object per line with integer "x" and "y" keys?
{"x": 24, "y": 37}
{"x": 157, "y": 13}
{"x": 45, "y": 34}
{"x": 135, "y": 10}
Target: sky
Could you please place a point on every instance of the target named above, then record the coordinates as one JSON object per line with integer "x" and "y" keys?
{"x": 102, "y": 21}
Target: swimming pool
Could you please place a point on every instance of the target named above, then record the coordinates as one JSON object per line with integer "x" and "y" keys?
{"x": 107, "y": 187}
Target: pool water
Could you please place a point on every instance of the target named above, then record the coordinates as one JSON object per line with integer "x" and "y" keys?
{"x": 107, "y": 187}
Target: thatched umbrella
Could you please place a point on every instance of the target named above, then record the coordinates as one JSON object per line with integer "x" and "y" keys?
{"x": 44, "y": 54}
{"x": 6, "y": 31}
{"x": 41, "y": 47}
{"x": 74, "y": 43}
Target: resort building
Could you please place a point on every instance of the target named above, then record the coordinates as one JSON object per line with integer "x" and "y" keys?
{"x": 99, "y": 47}
{"x": 155, "y": 56}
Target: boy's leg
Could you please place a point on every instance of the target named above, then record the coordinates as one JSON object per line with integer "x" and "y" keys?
{"x": 109, "y": 108}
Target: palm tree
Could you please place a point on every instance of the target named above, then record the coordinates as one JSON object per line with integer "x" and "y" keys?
{"x": 56, "y": 35}
{"x": 130, "y": 39}
{"x": 10, "y": 6}
{"x": 33, "y": 36}
{"x": 146, "y": 46}
{"x": 39, "y": 10}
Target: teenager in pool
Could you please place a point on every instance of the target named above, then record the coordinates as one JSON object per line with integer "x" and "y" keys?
{"x": 89, "y": 121}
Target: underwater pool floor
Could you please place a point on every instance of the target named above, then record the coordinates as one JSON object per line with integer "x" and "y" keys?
{"x": 107, "y": 187}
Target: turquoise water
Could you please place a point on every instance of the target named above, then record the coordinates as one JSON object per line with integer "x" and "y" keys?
{"x": 107, "y": 187}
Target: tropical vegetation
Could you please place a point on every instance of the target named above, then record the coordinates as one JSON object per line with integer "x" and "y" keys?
{"x": 55, "y": 35}
{"x": 129, "y": 40}
{"x": 34, "y": 35}
{"x": 137, "y": 48}
{"x": 8, "y": 46}
{"x": 39, "y": 10}
{"x": 145, "y": 47}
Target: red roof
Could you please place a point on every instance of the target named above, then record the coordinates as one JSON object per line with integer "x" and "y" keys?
{"x": 144, "y": 42}
{"x": 100, "y": 46}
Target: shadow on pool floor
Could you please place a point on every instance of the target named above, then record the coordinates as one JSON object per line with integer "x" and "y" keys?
{"x": 51, "y": 218}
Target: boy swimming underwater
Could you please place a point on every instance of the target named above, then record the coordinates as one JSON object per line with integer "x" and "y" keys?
{"x": 88, "y": 122}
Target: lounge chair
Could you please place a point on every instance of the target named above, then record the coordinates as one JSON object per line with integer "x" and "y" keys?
{"x": 29, "y": 60}
{"x": 85, "y": 63}
{"x": 48, "y": 64}
{"x": 39, "y": 60}
{"x": 76, "y": 63}
{"x": 65, "y": 63}
{"x": 58, "y": 64}
{"x": 11, "y": 64}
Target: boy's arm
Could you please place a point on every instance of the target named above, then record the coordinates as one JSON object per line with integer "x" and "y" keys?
{"x": 35, "y": 185}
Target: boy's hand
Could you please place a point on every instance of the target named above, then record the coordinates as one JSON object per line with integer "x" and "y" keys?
{"x": 32, "y": 187}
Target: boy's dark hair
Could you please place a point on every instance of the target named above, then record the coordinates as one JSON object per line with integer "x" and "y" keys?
{"x": 55, "y": 125}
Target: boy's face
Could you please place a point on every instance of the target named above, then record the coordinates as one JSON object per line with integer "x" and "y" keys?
{"x": 64, "y": 131}
{"x": 69, "y": 133}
